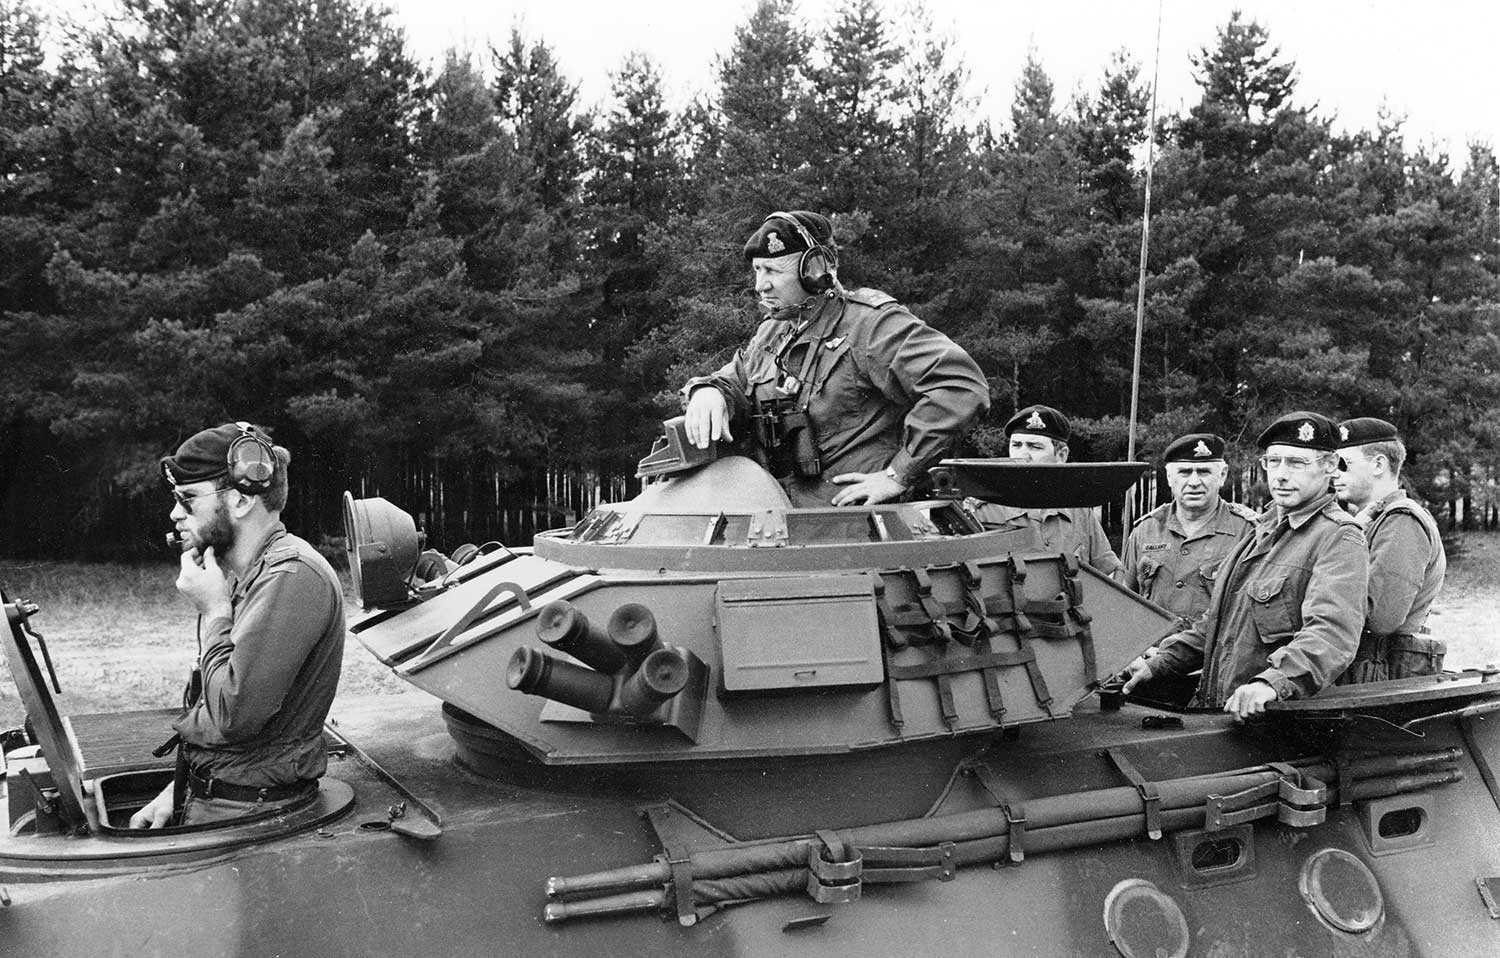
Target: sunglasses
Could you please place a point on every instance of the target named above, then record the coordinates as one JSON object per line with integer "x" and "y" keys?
{"x": 185, "y": 499}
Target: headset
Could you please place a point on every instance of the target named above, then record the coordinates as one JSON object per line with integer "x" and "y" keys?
{"x": 251, "y": 461}
{"x": 826, "y": 278}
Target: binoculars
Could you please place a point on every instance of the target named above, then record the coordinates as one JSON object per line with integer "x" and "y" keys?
{"x": 788, "y": 438}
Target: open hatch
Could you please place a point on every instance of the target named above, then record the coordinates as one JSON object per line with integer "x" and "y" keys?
{"x": 69, "y": 787}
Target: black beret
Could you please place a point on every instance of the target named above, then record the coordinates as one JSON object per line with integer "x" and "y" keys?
{"x": 1357, "y": 432}
{"x": 205, "y": 455}
{"x": 1194, "y": 447}
{"x": 782, "y": 234}
{"x": 1040, "y": 421}
{"x": 1308, "y": 430}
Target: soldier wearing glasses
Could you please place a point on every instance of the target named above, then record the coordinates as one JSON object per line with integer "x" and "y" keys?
{"x": 1407, "y": 563}
{"x": 1284, "y": 618}
{"x": 1175, "y": 551}
{"x": 848, "y": 396}
{"x": 271, "y": 633}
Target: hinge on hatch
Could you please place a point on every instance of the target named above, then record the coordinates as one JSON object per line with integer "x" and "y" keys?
{"x": 1486, "y": 892}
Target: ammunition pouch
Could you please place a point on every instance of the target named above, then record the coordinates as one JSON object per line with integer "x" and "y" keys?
{"x": 788, "y": 439}
{"x": 1395, "y": 656}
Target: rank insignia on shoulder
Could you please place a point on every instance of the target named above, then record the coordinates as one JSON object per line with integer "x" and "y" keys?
{"x": 1243, "y": 511}
{"x": 280, "y": 554}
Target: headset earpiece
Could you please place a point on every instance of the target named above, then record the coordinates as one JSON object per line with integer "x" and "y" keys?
{"x": 826, "y": 275}
{"x": 251, "y": 461}
{"x": 820, "y": 281}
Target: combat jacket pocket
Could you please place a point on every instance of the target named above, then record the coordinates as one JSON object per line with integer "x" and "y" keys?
{"x": 1273, "y": 610}
{"x": 1148, "y": 569}
{"x": 1209, "y": 572}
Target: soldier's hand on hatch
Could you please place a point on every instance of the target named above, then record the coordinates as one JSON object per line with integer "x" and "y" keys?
{"x": 1138, "y": 671}
{"x": 205, "y": 585}
{"x": 866, "y": 487}
{"x": 1249, "y": 699}
{"x": 706, "y": 418}
{"x": 157, "y": 813}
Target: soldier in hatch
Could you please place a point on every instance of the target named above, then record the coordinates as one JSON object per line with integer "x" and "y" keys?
{"x": 271, "y": 621}
{"x": 1284, "y": 618}
{"x": 1040, "y": 434}
{"x": 1174, "y": 552}
{"x": 851, "y": 397}
{"x": 1407, "y": 563}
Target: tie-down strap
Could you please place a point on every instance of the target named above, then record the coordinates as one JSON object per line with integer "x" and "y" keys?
{"x": 1293, "y": 798}
{"x": 944, "y": 625}
{"x": 836, "y": 872}
{"x": 922, "y": 622}
{"x": 1150, "y": 797}
{"x": 1015, "y": 812}
{"x": 682, "y": 886}
{"x": 954, "y": 664}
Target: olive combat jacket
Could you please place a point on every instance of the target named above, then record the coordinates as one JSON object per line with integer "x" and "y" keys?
{"x": 1177, "y": 571}
{"x": 270, "y": 671}
{"x": 1287, "y": 608}
{"x": 883, "y": 389}
{"x": 1407, "y": 566}
{"x": 1075, "y": 532}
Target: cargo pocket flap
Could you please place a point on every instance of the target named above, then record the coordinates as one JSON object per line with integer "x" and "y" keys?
{"x": 1267, "y": 589}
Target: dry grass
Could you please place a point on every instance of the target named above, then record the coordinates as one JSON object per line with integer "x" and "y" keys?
{"x": 1467, "y": 613}
{"x": 122, "y": 638}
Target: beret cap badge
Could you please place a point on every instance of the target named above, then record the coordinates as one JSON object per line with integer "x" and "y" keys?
{"x": 1344, "y": 432}
{"x": 774, "y": 243}
{"x": 1202, "y": 449}
{"x": 1311, "y": 430}
{"x": 1035, "y": 422}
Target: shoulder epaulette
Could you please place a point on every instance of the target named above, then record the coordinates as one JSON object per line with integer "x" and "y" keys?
{"x": 1243, "y": 511}
{"x": 1336, "y": 512}
{"x": 1156, "y": 513}
{"x": 869, "y": 297}
{"x": 276, "y": 555}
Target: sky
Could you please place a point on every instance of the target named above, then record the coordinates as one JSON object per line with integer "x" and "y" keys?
{"x": 1435, "y": 62}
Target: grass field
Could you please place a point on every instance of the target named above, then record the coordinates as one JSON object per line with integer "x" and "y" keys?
{"x": 121, "y": 637}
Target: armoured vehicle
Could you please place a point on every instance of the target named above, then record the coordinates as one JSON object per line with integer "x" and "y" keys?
{"x": 702, "y": 722}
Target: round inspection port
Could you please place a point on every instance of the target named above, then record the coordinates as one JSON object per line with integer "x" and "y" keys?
{"x": 1145, "y": 922}
{"x": 1341, "y": 890}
